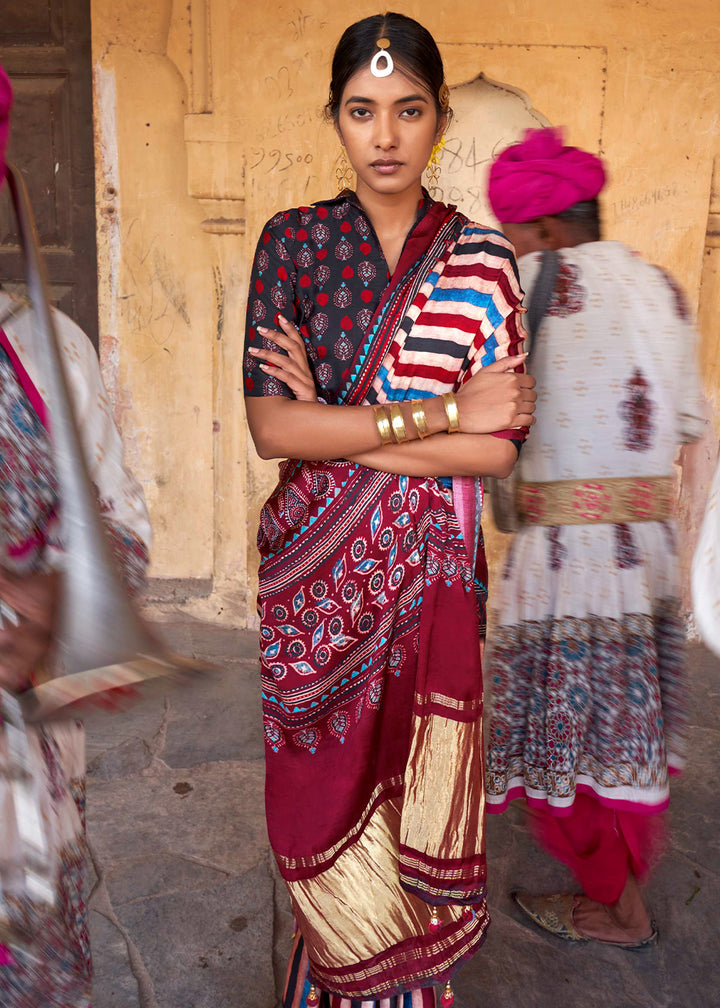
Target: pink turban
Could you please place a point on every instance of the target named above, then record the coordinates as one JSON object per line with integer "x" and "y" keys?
{"x": 6, "y": 98}
{"x": 540, "y": 177}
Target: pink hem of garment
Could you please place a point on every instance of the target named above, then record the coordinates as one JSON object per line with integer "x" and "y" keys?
{"x": 560, "y": 811}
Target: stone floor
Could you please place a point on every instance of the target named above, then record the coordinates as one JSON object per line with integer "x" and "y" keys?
{"x": 188, "y": 911}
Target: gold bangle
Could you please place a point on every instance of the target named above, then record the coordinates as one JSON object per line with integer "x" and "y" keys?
{"x": 398, "y": 424}
{"x": 383, "y": 425}
{"x": 419, "y": 418}
{"x": 451, "y": 412}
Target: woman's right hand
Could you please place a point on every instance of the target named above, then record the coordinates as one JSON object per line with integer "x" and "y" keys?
{"x": 496, "y": 398}
{"x": 292, "y": 368}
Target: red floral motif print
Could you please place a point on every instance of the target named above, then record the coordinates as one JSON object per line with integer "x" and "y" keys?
{"x": 636, "y": 411}
{"x": 558, "y": 552}
{"x": 319, "y": 324}
{"x": 343, "y": 348}
{"x": 569, "y": 294}
{"x": 342, "y": 297}
{"x": 626, "y": 554}
{"x": 320, "y": 234}
{"x": 366, "y": 271}
{"x": 343, "y": 250}
{"x": 305, "y": 257}
{"x": 592, "y": 501}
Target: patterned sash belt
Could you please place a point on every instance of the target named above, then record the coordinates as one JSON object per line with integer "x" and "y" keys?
{"x": 582, "y": 502}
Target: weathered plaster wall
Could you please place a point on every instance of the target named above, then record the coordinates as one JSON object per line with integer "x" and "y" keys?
{"x": 156, "y": 271}
{"x": 233, "y": 98}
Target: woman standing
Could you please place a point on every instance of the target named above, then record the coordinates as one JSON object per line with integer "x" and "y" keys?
{"x": 370, "y": 638}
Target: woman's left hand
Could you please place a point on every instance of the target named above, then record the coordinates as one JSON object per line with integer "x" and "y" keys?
{"x": 25, "y": 644}
{"x": 292, "y": 369}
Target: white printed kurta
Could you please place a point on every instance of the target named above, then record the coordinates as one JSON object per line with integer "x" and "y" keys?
{"x": 586, "y": 668}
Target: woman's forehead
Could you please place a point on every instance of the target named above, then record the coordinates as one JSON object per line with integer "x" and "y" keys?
{"x": 395, "y": 87}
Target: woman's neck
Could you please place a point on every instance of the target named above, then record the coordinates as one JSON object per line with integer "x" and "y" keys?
{"x": 392, "y": 216}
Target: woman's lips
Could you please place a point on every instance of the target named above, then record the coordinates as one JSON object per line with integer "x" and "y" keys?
{"x": 386, "y": 167}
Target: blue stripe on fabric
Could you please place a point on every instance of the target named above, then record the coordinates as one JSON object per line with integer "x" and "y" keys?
{"x": 462, "y": 295}
{"x": 494, "y": 316}
{"x": 400, "y": 394}
{"x": 489, "y": 349}
{"x": 482, "y": 231}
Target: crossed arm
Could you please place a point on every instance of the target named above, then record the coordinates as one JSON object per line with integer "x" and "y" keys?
{"x": 494, "y": 399}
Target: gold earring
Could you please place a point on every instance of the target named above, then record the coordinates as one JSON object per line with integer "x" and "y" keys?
{"x": 343, "y": 171}
{"x": 433, "y": 169}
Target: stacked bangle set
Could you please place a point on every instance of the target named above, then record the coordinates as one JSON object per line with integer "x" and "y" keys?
{"x": 391, "y": 425}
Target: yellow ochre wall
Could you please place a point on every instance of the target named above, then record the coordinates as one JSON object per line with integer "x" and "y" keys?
{"x": 207, "y": 120}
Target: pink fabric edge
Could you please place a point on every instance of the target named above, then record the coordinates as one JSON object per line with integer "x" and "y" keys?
{"x": 626, "y": 806}
{"x": 31, "y": 392}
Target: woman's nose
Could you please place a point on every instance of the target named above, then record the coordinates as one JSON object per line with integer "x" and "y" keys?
{"x": 385, "y": 136}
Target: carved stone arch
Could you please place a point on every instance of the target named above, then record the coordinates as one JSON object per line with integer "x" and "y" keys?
{"x": 487, "y": 117}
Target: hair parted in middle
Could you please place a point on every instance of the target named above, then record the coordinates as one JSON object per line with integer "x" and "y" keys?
{"x": 413, "y": 49}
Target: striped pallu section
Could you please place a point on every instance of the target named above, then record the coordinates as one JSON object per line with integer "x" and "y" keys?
{"x": 475, "y": 293}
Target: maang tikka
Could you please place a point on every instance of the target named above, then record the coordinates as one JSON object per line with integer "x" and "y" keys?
{"x": 384, "y": 57}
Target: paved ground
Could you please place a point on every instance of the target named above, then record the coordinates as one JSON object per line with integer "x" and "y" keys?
{"x": 188, "y": 912}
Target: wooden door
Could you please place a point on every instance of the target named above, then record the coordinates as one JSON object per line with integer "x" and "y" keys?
{"x": 45, "y": 49}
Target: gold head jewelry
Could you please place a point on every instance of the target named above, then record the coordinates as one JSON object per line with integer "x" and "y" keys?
{"x": 444, "y": 97}
{"x": 382, "y": 56}
{"x": 343, "y": 171}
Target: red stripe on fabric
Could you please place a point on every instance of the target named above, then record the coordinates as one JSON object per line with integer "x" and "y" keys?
{"x": 433, "y": 865}
{"x": 444, "y": 320}
{"x": 440, "y": 375}
{"x": 479, "y": 268}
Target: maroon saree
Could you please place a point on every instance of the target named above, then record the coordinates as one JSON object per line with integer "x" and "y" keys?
{"x": 371, "y": 675}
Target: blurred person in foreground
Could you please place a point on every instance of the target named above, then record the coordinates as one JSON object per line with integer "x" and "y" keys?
{"x": 51, "y": 966}
{"x": 587, "y": 667}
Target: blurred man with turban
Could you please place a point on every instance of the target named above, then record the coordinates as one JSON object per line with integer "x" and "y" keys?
{"x": 44, "y": 948}
{"x": 587, "y": 672}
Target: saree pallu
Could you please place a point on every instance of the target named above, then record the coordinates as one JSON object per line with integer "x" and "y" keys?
{"x": 371, "y": 673}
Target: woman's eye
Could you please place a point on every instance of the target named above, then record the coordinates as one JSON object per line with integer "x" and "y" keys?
{"x": 360, "y": 113}
{"x": 411, "y": 113}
